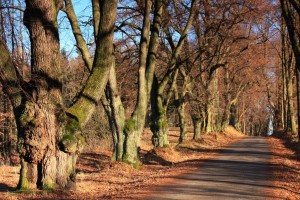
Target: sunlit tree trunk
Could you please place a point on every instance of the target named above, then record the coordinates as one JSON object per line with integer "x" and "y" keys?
{"x": 112, "y": 101}
{"x": 288, "y": 73}
{"x": 135, "y": 124}
{"x": 37, "y": 142}
{"x": 227, "y": 97}
{"x": 291, "y": 20}
{"x": 284, "y": 79}
{"x": 103, "y": 59}
{"x": 291, "y": 114}
{"x": 116, "y": 115}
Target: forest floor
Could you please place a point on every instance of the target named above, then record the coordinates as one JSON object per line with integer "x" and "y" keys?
{"x": 285, "y": 165}
{"x": 100, "y": 178}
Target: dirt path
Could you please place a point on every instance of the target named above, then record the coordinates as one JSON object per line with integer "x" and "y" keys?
{"x": 239, "y": 172}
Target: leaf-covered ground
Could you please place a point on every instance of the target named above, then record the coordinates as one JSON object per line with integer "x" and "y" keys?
{"x": 100, "y": 178}
{"x": 285, "y": 165}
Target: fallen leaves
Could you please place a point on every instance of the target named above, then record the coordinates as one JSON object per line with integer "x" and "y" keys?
{"x": 100, "y": 178}
{"x": 285, "y": 170}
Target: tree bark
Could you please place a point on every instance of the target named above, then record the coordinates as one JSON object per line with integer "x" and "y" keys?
{"x": 291, "y": 22}
{"x": 49, "y": 136}
{"x": 182, "y": 119}
{"x": 116, "y": 115}
{"x": 135, "y": 124}
{"x": 182, "y": 105}
{"x": 44, "y": 166}
{"x": 233, "y": 114}
{"x": 197, "y": 127}
{"x": 284, "y": 78}
{"x": 112, "y": 102}
{"x": 91, "y": 94}
{"x": 288, "y": 73}
{"x": 298, "y": 98}
{"x": 290, "y": 88}
{"x": 158, "y": 118}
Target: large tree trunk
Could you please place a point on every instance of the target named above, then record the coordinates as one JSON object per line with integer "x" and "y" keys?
{"x": 48, "y": 139}
{"x": 40, "y": 120}
{"x": 298, "y": 98}
{"x": 291, "y": 22}
{"x": 288, "y": 76}
{"x": 291, "y": 114}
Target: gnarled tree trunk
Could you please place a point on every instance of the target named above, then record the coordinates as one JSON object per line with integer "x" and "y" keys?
{"x": 41, "y": 118}
{"x": 49, "y": 135}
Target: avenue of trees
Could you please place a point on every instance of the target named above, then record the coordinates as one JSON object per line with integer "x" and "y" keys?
{"x": 150, "y": 63}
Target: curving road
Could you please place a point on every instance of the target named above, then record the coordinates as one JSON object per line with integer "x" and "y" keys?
{"x": 239, "y": 172}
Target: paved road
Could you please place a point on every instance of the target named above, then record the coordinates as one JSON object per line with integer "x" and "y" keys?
{"x": 239, "y": 172}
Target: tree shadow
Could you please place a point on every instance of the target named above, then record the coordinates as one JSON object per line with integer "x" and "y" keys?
{"x": 198, "y": 150}
{"x": 151, "y": 158}
{"x": 91, "y": 162}
{"x": 290, "y": 142}
{"x": 6, "y": 188}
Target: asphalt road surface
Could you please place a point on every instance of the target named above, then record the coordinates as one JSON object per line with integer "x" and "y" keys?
{"x": 238, "y": 172}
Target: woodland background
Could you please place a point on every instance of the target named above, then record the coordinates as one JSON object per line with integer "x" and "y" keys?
{"x": 198, "y": 65}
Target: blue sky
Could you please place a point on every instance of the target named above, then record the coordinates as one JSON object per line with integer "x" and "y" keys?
{"x": 83, "y": 11}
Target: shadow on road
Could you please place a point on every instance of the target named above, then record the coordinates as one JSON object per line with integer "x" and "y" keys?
{"x": 239, "y": 172}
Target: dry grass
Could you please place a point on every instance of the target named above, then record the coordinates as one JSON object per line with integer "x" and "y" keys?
{"x": 100, "y": 178}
